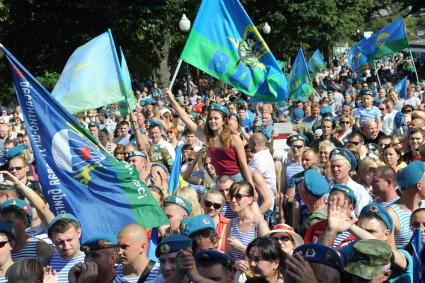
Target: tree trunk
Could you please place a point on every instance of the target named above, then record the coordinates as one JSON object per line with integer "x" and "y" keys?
{"x": 162, "y": 72}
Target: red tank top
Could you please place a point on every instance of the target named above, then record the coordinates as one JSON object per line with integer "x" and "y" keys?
{"x": 224, "y": 161}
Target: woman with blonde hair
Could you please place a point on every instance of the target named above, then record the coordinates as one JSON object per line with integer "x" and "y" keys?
{"x": 345, "y": 127}
{"x": 191, "y": 196}
{"x": 325, "y": 148}
{"x": 366, "y": 170}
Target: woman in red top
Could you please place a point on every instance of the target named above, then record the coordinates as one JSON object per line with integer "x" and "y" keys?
{"x": 212, "y": 202}
{"x": 225, "y": 149}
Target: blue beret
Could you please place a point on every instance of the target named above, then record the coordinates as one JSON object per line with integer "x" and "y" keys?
{"x": 102, "y": 241}
{"x": 265, "y": 132}
{"x": 377, "y": 100}
{"x": 325, "y": 109}
{"x": 198, "y": 223}
{"x": 15, "y": 151}
{"x": 18, "y": 204}
{"x": 60, "y": 217}
{"x": 367, "y": 91}
{"x": 7, "y": 228}
{"x": 347, "y": 191}
{"x": 183, "y": 203}
{"x": 296, "y": 137}
{"x": 410, "y": 175}
{"x": 217, "y": 256}
{"x": 7, "y": 187}
{"x": 380, "y": 211}
{"x": 321, "y": 254}
{"x": 137, "y": 153}
{"x": 220, "y": 108}
{"x": 348, "y": 155}
{"x": 240, "y": 102}
{"x": 172, "y": 244}
{"x": 399, "y": 120}
{"x": 350, "y": 81}
{"x": 315, "y": 183}
{"x": 298, "y": 114}
{"x": 328, "y": 118}
{"x": 160, "y": 164}
{"x": 302, "y": 99}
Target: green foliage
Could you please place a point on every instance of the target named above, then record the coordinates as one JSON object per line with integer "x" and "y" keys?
{"x": 42, "y": 34}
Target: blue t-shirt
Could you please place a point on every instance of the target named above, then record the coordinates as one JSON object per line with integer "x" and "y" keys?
{"x": 367, "y": 114}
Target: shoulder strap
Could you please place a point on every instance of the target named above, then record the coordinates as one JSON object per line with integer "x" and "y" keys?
{"x": 146, "y": 272}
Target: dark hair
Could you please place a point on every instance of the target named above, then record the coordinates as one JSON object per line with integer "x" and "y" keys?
{"x": 269, "y": 249}
{"x": 62, "y": 226}
{"x": 397, "y": 150}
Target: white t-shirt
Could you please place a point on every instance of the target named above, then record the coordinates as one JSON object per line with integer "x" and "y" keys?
{"x": 263, "y": 162}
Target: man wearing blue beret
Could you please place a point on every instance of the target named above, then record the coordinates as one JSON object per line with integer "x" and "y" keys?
{"x": 342, "y": 194}
{"x": 99, "y": 264}
{"x": 411, "y": 180}
{"x": 342, "y": 163}
{"x": 374, "y": 222}
{"x": 215, "y": 266}
{"x": 176, "y": 208}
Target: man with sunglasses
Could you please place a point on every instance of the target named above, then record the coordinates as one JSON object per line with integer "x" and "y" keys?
{"x": 201, "y": 229}
{"x": 18, "y": 167}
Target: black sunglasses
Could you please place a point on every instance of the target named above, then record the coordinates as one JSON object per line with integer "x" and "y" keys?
{"x": 2, "y": 244}
{"x": 283, "y": 238}
{"x": 238, "y": 196}
{"x": 354, "y": 142}
{"x": 208, "y": 204}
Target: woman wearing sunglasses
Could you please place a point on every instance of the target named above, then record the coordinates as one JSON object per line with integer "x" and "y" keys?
{"x": 249, "y": 223}
{"x": 345, "y": 128}
{"x": 288, "y": 239}
{"x": 212, "y": 203}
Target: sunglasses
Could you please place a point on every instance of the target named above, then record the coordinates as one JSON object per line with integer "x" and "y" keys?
{"x": 208, "y": 204}
{"x": 284, "y": 238}
{"x": 237, "y": 196}
{"x": 2, "y": 244}
{"x": 406, "y": 111}
{"x": 344, "y": 122}
{"x": 17, "y": 168}
{"x": 382, "y": 109}
{"x": 354, "y": 142}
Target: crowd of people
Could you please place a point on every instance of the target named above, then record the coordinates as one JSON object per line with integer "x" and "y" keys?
{"x": 342, "y": 201}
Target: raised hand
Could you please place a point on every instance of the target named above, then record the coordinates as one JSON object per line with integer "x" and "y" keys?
{"x": 339, "y": 216}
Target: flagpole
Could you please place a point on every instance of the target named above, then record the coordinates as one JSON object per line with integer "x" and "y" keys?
{"x": 377, "y": 75}
{"x": 179, "y": 64}
{"x": 414, "y": 66}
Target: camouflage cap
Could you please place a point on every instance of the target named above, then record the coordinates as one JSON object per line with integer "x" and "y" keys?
{"x": 369, "y": 259}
